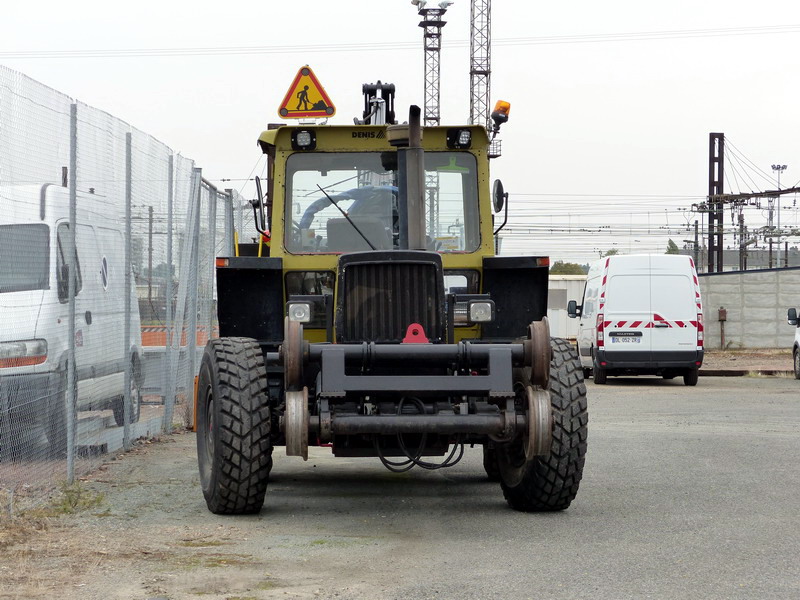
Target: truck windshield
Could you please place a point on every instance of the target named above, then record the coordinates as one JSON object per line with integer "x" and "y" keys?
{"x": 24, "y": 257}
{"x": 364, "y": 185}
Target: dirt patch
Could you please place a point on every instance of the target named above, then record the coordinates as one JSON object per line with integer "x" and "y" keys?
{"x": 766, "y": 359}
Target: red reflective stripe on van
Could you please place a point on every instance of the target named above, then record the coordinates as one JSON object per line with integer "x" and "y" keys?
{"x": 621, "y": 323}
{"x": 636, "y": 324}
{"x": 606, "y": 324}
{"x": 680, "y": 324}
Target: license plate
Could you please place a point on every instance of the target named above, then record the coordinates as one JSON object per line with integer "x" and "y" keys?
{"x": 626, "y": 340}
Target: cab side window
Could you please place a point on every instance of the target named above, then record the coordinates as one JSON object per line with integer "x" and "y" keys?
{"x": 61, "y": 265}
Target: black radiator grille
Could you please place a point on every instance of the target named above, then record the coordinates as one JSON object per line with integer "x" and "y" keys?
{"x": 382, "y": 299}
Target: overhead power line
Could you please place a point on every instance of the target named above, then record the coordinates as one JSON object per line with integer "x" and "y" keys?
{"x": 387, "y": 46}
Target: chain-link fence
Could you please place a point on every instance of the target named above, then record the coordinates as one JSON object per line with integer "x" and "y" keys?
{"x": 107, "y": 288}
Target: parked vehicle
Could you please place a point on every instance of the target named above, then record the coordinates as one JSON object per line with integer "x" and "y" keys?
{"x": 641, "y": 315}
{"x": 793, "y": 320}
{"x": 34, "y": 302}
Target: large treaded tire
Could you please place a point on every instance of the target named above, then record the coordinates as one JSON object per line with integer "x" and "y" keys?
{"x": 690, "y": 377}
{"x": 234, "y": 449}
{"x": 551, "y": 482}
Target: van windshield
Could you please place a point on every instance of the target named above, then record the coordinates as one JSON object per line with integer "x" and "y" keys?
{"x": 364, "y": 185}
{"x": 24, "y": 257}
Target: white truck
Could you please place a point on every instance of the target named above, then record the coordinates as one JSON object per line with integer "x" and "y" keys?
{"x": 34, "y": 304}
{"x": 640, "y": 315}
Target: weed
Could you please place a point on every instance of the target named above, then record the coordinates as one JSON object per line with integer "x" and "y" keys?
{"x": 74, "y": 498}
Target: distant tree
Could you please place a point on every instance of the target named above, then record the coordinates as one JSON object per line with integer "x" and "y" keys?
{"x": 564, "y": 268}
{"x": 672, "y": 247}
{"x": 611, "y": 252}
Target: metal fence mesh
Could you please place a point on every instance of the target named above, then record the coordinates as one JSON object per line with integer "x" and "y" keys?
{"x": 107, "y": 287}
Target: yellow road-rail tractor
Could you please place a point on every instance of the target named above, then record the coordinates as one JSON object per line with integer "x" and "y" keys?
{"x": 381, "y": 323}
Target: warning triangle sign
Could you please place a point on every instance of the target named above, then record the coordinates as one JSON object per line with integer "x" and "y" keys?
{"x": 306, "y": 98}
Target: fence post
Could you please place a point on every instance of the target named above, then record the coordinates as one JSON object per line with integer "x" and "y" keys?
{"x": 185, "y": 265}
{"x": 169, "y": 378}
{"x": 229, "y": 236}
{"x": 213, "y": 198}
{"x": 70, "y": 407}
{"x": 126, "y": 408}
{"x": 194, "y": 266}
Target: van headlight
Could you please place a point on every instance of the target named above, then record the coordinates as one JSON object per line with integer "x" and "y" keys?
{"x": 300, "y": 312}
{"x": 22, "y": 353}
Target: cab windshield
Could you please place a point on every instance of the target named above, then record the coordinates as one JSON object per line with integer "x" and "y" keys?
{"x": 363, "y": 186}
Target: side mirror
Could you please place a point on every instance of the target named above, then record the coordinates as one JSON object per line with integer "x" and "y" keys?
{"x": 791, "y": 316}
{"x": 573, "y": 310}
{"x": 499, "y": 196}
{"x": 258, "y": 208}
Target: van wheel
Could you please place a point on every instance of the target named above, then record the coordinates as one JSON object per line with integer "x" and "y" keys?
{"x": 56, "y": 427}
{"x": 490, "y": 463}
{"x": 598, "y": 373}
{"x": 690, "y": 377}
{"x": 136, "y": 397}
{"x": 796, "y": 363}
{"x": 234, "y": 448}
{"x": 550, "y": 482}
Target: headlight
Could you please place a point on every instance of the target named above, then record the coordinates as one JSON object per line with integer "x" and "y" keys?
{"x": 22, "y": 353}
{"x": 481, "y": 311}
{"x": 300, "y": 312}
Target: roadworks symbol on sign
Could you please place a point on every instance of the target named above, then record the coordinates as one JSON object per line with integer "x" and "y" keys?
{"x": 306, "y": 98}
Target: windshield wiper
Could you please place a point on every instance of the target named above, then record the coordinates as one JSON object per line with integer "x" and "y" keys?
{"x": 349, "y": 220}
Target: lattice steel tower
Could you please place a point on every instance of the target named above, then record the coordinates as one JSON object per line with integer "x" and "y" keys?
{"x": 432, "y": 23}
{"x": 480, "y": 71}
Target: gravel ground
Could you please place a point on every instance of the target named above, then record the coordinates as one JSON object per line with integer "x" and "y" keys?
{"x": 688, "y": 492}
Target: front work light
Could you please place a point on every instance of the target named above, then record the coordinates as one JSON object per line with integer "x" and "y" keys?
{"x": 481, "y": 311}
{"x": 300, "y": 312}
{"x": 459, "y": 139}
{"x": 304, "y": 139}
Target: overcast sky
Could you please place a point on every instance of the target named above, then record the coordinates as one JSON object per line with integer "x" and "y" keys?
{"x": 602, "y": 132}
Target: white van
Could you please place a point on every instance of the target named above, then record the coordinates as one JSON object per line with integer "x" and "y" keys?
{"x": 641, "y": 315}
{"x": 792, "y": 319}
{"x": 34, "y": 309}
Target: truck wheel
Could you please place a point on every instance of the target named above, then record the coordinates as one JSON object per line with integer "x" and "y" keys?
{"x": 548, "y": 483}
{"x": 598, "y": 373}
{"x": 234, "y": 449}
{"x": 797, "y": 364}
{"x": 490, "y": 463}
{"x": 690, "y": 377}
{"x": 136, "y": 397}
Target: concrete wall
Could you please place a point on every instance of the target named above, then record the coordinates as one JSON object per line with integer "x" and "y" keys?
{"x": 756, "y": 302}
{"x": 562, "y": 289}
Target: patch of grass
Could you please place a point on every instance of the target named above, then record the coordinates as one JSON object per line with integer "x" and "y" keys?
{"x": 267, "y": 585}
{"x": 201, "y": 543}
{"x": 211, "y": 561}
{"x": 76, "y": 497}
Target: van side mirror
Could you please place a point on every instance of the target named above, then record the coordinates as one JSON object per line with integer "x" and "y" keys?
{"x": 573, "y": 310}
{"x": 791, "y": 316}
